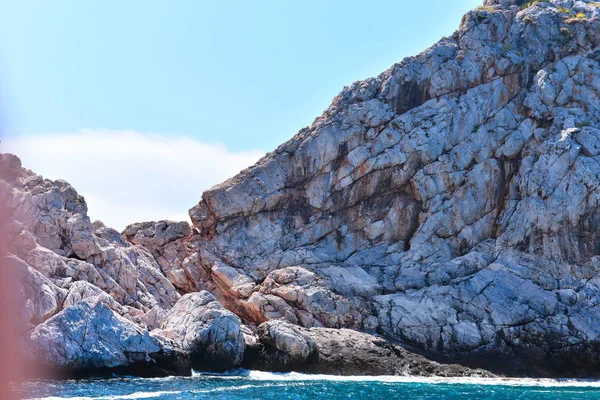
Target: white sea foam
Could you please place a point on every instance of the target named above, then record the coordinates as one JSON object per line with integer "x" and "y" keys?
{"x": 240, "y": 387}
{"x": 136, "y": 395}
{"x": 142, "y": 395}
{"x": 148, "y": 395}
{"x": 295, "y": 376}
{"x": 260, "y": 379}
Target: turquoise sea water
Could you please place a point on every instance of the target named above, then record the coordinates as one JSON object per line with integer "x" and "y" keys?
{"x": 262, "y": 385}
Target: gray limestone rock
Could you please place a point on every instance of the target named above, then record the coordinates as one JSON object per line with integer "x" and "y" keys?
{"x": 54, "y": 235}
{"x": 285, "y": 347}
{"x": 288, "y": 339}
{"x": 62, "y": 264}
{"x": 169, "y": 244}
{"x": 90, "y": 338}
{"x": 450, "y": 204}
{"x": 204, "y": 328}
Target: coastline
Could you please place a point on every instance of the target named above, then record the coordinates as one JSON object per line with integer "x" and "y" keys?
{"x": 424, "y": 208}
{"x": 240, "y": 380}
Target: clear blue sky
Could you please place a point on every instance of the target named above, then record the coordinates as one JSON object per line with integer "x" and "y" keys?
{"x": 143, "y": 105}
{"x": 248, "y": 74}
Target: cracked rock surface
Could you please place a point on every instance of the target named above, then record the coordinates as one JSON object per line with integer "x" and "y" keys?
{"x": 449, "y": 205}
{"x": 123, "y": 308}
{"x": 89, "y": 335}
{"x": 88, "y": 297}
{"x": 285, "y": 347}
{"x": 204, "y": 328}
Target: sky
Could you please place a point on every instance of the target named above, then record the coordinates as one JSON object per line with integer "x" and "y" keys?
{"x": 143, "y": 105}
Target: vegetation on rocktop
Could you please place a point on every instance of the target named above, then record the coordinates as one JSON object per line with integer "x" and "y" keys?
{"x": 579, "y": 17}
{"x": 485, "y": 8}
{"x": 533, "y": 3}
{"x": 564, "y": 10}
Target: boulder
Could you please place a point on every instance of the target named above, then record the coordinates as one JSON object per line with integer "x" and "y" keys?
{"x": 212, "y": 335}
{"x": 288, "y": 339}
{"x": 286, "y": 347}
{"x": 89, "y": 338}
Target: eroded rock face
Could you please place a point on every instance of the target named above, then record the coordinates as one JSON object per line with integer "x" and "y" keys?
{"x": 38, "y": 296}
{"x": 53, "y": 234}
{"x": 204, "y": 328}
{"x": 113, "y": 310}
{"x": 285, "y": 347}
{"x": 88, "y": 296}
{"x": 169, "y": 244}
{"x": 89, "y": 336}
{"x": 450, "y": 203}
{"x": 288, "y": 339}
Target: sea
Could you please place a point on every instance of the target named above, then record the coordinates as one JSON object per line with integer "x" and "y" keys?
{"x": 244, "y": 384}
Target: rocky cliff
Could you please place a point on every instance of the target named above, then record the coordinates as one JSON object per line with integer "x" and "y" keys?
{"x": 449, "y": 205}
{"x": 92, "y": 303}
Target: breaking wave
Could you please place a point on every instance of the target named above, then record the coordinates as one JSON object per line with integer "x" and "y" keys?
{"x": 296, "y": 376}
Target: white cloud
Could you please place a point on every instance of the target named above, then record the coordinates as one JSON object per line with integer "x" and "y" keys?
{"x": 128, "y": 176}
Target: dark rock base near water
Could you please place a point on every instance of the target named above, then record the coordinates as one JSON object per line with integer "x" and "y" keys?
{"x": 445, "y": 210}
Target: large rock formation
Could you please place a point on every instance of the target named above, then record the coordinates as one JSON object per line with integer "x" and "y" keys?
{"x": 449, "y": 205}
{"x": 88, "y": 297}
{"x": 169, "y": 244}
{"x": 95, "y": 303}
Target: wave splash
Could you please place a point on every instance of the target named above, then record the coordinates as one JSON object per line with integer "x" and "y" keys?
{"x": 241, "y": 380}
{"x": 296, "y": 376}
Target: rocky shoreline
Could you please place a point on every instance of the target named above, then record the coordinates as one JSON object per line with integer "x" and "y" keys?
{"x": 445, "y": 210}
{"x": 93, "y": 304}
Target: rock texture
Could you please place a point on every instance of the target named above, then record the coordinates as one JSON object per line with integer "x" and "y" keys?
{"x": 286, "y": 347}
{"x": 88, "y": 297}
{"x": 449, "y": 205}
{"x": 98, "y": 303}
{"x": 90, "y": 337}
{"x": 204, "y": 328}
{"x": 169, "y": 245}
